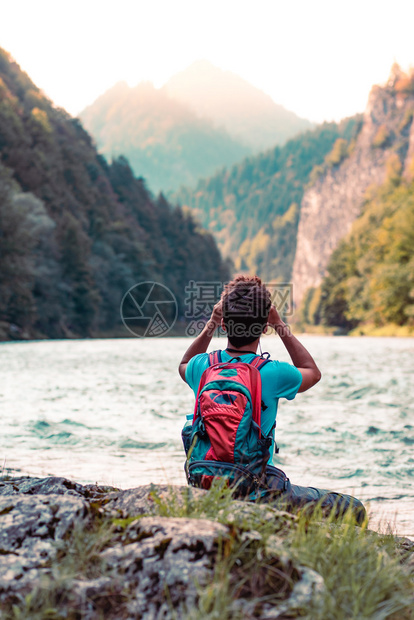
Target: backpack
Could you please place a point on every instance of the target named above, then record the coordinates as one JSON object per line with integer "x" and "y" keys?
{"x": 225, "y": 439}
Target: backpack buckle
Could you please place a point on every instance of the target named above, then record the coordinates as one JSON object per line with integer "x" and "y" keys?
{"x": 265, "y": 442}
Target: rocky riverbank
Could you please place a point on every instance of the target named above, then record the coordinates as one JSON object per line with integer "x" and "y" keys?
{"x": 82, "y": 551}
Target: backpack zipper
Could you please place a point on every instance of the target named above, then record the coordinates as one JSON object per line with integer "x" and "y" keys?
{"x": 217, "y": 464}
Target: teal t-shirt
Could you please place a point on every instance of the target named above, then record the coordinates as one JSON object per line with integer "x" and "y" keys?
{"x": 279, "y": 380}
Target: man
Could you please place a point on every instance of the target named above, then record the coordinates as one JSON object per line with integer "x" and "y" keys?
{"x": 245, "y": 312}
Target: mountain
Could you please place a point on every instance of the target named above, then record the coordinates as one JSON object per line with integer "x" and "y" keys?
{"x": 332, "y": 203}
{"x": 163, "y": 139}
{"x": 253, "y": 209}
{"x": 77, "y": 233}
{"x": 283, "y": 213}
{"x": 246, "y": 112}
{"x": 368, "y": 280}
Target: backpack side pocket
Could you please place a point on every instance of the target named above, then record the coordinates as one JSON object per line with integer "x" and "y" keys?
{"x": 186, "y": 436}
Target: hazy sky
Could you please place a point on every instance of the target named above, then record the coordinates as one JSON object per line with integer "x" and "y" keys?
{"x": 318, "y": 58}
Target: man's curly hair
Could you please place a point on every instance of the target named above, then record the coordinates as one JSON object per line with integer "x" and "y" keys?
{"x": 246, "y": 306}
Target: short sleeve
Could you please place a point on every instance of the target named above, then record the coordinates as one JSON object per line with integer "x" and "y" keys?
{"x": 286, "y": 380}
{"x": 195, "y": 369}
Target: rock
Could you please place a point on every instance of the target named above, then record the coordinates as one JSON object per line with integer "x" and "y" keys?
{"x": 45, "y": 486}
{"x": 258, "y": 513}
{"x": 405, "y": 544}
{"x": 310, "y": 589}
{"x": 166, "y": 555}
{"x": 109, "y": 554}
{"x": 30, "y": 527}
{"x": 405, "y": 547}
{"x": 331, "y": 204}
{"x": 142, "y": 500}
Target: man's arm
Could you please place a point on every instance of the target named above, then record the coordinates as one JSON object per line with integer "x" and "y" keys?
{"x": 300, "y": 357}
{"x": 200, "y": 344}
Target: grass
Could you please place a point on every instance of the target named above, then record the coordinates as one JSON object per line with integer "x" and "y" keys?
{"x": 363, "y": 571}
{"x": 258, "y": 563}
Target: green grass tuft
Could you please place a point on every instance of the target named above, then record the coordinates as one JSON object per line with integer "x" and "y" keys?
{"x": 362, "y": 570}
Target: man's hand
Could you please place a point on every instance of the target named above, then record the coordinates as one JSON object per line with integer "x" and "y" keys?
{"x": 274, "y": 319}
{"x": 300, "y": 357}
{"x": 202, "y": 341}
{"x": 217, "y": 313}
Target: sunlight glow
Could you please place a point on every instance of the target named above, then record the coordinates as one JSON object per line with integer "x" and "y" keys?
{"x": 318, "y": 59}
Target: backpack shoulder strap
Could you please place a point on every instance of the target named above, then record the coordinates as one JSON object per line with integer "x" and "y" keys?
{"x": 259, "y": 361}
{"x": 214, "y": 358}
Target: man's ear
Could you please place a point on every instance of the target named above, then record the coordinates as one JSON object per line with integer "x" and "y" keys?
{"x": 265, "y": 328}
{"x": 223, "y": 327}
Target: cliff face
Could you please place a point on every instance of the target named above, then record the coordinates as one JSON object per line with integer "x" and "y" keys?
{"x": 334, "y": 201}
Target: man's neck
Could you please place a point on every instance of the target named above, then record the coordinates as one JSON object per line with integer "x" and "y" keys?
{"x": 247, "y": 348}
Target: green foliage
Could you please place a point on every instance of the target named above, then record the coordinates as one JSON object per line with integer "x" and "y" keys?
{"x": 252, "y": 209}
{"x": 272, "y": 249}
{"x": 75, "y": 232}
{"x": 338, "y": 153}
{"x": 371, "y": 274}
{"x": 309, "y": 311}
{"x": 393, "y": 169}
{"x": 25, "y": 230}
{"x": 217, "y": 503}
{"x": 41, "y": 118}
{"x": 406, "y": 121}
{"x": 361, "y": 569}
{"x": 382, "y": 137}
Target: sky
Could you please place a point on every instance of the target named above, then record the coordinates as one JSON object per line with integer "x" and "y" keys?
{"x": 318, "y": 58}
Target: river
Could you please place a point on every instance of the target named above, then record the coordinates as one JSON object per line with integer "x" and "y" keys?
{"x": 111, "y": 412}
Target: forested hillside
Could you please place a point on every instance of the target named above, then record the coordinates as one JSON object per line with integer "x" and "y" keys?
{"x": 163, "y": 139}
{"x": 370, "y": 276}
{"x": 253, "y": 208}
{"x": 334, "y": 201}
{"x": 75, "y": 232}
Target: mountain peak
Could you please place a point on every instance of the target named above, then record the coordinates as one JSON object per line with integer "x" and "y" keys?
{"x": 229, "y": 100}
{"x": 203, "y": 71}
{"x": 202, "y": 64}
{"x": 199, "y": 78}
{"x": 396, "y": 74}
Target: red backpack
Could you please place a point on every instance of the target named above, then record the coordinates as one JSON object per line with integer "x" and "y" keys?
{"x": 225, "y": 439}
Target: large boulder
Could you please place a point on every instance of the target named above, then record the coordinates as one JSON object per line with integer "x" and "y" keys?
{"x": 93, "y": 551}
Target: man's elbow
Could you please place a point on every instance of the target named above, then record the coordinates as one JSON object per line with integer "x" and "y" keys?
{"x": 309, "y": 378}
{"x": 181, "y": 371}
{"x": 317, "y": 376}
